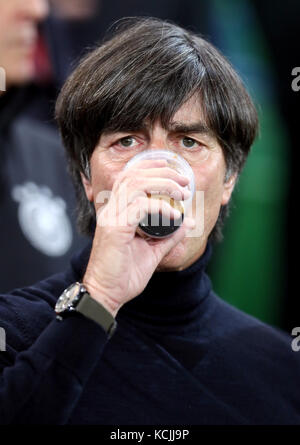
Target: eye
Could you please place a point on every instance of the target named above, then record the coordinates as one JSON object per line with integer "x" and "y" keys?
{"x": 188, "y": 142}
{"x": 127, "y": 141}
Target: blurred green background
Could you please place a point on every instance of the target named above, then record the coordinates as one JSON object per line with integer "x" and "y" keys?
{"x": 248, "y": 266}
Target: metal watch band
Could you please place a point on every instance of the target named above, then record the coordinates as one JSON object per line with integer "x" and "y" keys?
{"x": 96, "y": 312}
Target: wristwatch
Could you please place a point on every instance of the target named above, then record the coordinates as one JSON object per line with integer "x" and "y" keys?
{"x": 77, "y": 299}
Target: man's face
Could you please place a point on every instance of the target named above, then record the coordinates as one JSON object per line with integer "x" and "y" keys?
{"x": 18, "y": 35}
{"x": 205, "y": 156}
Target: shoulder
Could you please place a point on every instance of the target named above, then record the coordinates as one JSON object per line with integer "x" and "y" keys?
{"x": 250, "y": 365}
{"x": 25, "y": 312}
{"x": 247, "y": 341}
{"x": 236, "y": 326}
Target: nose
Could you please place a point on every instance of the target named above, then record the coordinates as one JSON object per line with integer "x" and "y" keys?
{"x": 36, "y": 10}
{"x": 157, "y": 145}
{"x": 158, "y": 139}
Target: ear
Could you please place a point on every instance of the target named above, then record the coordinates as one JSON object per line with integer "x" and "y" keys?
{"x": 228, "y": 189}
{"x": 87, "y": 187}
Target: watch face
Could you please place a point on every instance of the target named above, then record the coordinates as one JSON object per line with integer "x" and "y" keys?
{"x": 68, "y": 298}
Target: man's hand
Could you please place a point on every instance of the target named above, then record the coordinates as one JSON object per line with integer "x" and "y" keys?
{"x": 121, "y": 262}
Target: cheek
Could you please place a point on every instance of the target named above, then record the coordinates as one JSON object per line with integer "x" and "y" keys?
{"x": 209, "y": 178}
{"x": 103, "y": 173}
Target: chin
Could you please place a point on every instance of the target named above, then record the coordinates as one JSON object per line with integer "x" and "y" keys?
{"x": 22, "y": 78}
{"x": 174, "y": 260}
{"x": 183, "y": 255}
{"x": 23, "y": 71}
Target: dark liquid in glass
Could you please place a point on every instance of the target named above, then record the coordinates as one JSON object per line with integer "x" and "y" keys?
{"x": 159, "y": 226}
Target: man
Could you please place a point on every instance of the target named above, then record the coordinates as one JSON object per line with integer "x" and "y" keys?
{"x": 141, "y": 338}
{"x": 37, "y": 233}
{"x": 18, "y": 37}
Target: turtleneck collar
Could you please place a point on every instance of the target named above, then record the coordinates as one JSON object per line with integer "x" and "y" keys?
{"x": 171, "y": 302}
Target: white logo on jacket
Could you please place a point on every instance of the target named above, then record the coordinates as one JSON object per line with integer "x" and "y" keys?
{"x": 43, "y": 219}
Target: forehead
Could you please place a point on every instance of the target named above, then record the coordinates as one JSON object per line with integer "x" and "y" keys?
{"x": 189, "y": 117}
{"x": 190, "y": 111}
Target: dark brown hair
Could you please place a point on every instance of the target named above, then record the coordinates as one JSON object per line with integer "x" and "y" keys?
{"x": 146, "y": 71}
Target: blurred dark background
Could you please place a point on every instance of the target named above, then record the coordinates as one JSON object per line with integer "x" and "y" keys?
{"x": 255, "y": 267}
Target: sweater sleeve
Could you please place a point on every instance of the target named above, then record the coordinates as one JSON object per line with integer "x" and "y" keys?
{"x": 45, "y": 381}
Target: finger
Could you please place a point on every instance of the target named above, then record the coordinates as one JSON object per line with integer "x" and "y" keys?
{"x": 142, "y": 165}
{"x": 130, "y": 186}
{"x": 147, "y": 163}
{"x": 165, "y": 172}
{"x": 141, "y": 207}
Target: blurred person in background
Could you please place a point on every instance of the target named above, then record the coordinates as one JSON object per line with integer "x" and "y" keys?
{"x": 37, "y": 233}
{"x": 18, "y": 38}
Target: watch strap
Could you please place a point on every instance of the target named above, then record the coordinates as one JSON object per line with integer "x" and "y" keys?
{"x": 90, "y": 308}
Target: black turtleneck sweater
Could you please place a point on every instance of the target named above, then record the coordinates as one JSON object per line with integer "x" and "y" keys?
{"x": 180, "y": 355}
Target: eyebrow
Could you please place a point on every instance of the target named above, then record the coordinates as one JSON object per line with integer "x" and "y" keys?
{"x": 195, "y": 127}
{"x": 173, "y": 127}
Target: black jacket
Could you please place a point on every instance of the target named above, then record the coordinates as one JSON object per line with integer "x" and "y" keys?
{"x": 180, "y": 355}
